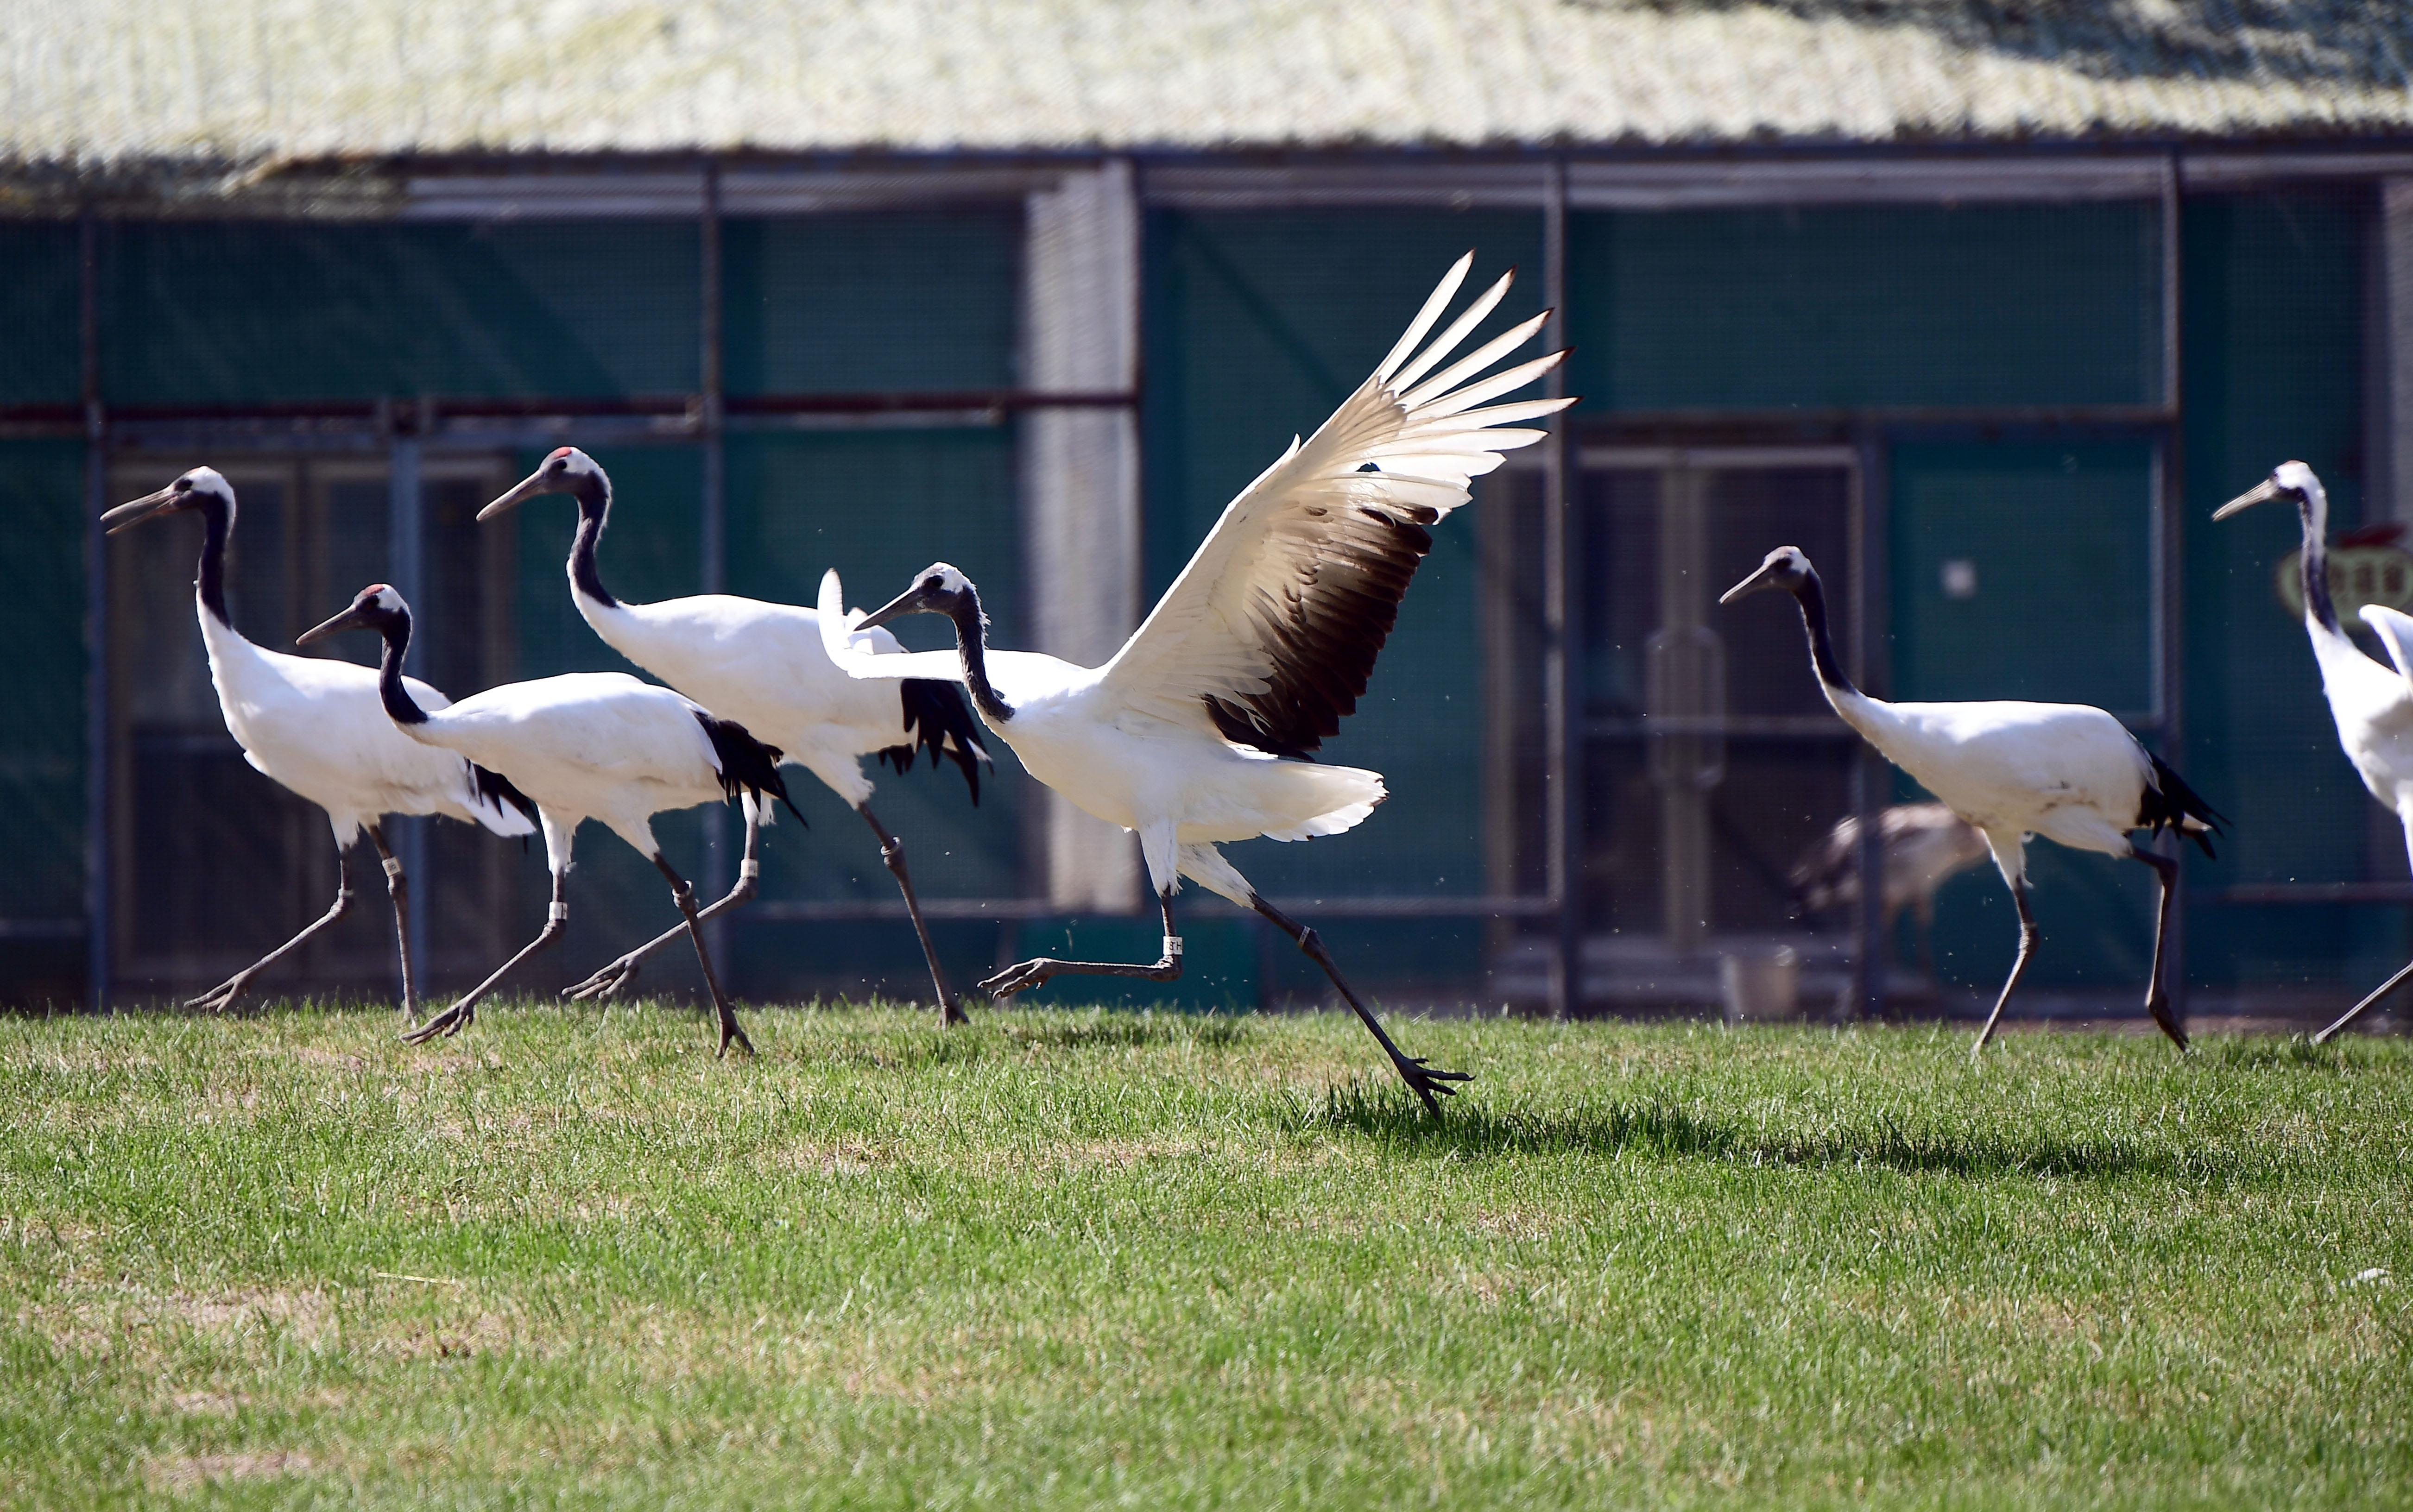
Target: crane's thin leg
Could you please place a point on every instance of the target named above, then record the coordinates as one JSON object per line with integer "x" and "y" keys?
{"x": 397, "y": 886}
{"x": 2157, "y": 1002}
{"x": 2355, "y": 1012}
{"x": 2385, "y": 987}
{"x": 612, "y": 979}
{"x": 1419, "y": 1075}
{"x": 2029, "y": 935}
{"x": 892, "y": 851}
{"x": 1024, "y": 975}
{"x": 463, "y": 1014}
{"x": 683, "y": 896}
{"x": 217, "y": 999}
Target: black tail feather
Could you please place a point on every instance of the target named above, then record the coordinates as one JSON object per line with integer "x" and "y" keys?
{"x": 496, "y": 788}
{"x": 746, "y": 765}
{"x": 937, "y": 719}
{"x": 2169, "y": 802}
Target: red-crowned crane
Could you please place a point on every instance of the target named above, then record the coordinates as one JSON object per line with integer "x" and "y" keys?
{"x": 2372, "y": 704}
{"x": 2066, "y": 771}
{"x": 1920, "y": 847}
{"x": 585, "y": 745}
{"x": 315, "y": 727}
{"x": 761, "y": 664}
{"x": 1197, "y": 732}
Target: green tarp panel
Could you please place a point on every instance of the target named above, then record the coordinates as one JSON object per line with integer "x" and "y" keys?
{"x": 869, "y": 304}
{"x": 2276, "y": 326}
{"x": 1862, "y": 305}
{"x": 42, "y": 740}
{"x": 42, "y": 361}
{"x": 275, "y": 311}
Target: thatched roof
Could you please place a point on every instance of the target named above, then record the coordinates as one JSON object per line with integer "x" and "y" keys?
{"x": 247, "y": 82}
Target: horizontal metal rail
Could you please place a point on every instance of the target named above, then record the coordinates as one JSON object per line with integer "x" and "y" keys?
{"x": 1009, "y": 910}
{"x": 429, "y": 416}
{"x": 2339, "y": 892}
{"x": 41, "y": 929}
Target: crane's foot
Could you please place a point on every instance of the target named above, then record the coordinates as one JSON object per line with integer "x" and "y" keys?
{"x": 1020, "y": 977}
{"x": 732, "y": 1034}
{"x": 607, "y": 981}
{"x": 220, "y": 998}
{"x": 449, "y": 1022}
{"x": 2159, "y": 1007}
{"x": 1426, "y": 1082}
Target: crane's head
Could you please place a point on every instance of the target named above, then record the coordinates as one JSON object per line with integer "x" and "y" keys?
{"x": 1785, "y": 568}
{"x": 377, "y": 607}
{"x": 937, "y": 589}
{"x": 199, "y": 489}
{"x": 565, "y": 470}
{"x": 2290, "y": 480}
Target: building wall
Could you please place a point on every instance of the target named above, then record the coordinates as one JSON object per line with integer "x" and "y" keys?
{"x": 1256, "y": 325}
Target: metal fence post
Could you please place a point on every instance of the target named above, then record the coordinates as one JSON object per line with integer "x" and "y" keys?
{"x": 99, "y": 885}
{"x": 716, "y": 873}
{"x": 1562, "y": 674}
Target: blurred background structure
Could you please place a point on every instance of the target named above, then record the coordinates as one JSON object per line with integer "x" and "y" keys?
{"x": 1984, "y": 305}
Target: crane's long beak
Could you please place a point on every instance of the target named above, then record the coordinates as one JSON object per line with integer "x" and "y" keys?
{"x": 134, "y": 513}
{"x": 350, "y": 619}
{"x": 527, "y": 488}
{"x": 912, "y": 601}
{"x": 2264, "y": 490}
{"x": 1764, "y": 578}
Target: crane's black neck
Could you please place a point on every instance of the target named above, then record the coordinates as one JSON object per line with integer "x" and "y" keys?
{"x": 594, "y": 494}
{"x": 1811, "y": 596}
{"x": 972, "y": 641}
{"x": 399, "y": 705}
{"x": 2312, "y": 562}
{"x": 217, "y": 524}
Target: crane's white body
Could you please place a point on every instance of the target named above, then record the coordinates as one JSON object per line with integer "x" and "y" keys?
{"x": 2069, "y": 772}
{"x": 2372, "y": 704}
{"x": 763, "y": 665}
{"x": 585, "y": 745}
{"x": 1184, "y": 789}
{"x": 588, "y": 744}
{"x": 2015, "y": 770}
{"x": 314, "y": 725}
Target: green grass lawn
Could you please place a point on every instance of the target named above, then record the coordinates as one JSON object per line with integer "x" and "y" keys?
{"x": 1068, "y": 1258}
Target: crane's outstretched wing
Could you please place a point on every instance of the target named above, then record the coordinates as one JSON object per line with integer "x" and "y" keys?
{"x": 1270, "y": 633}
{"x": 2395, "y": 632}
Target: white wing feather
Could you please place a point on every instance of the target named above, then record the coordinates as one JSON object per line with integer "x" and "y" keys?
{"x": 1309, "y": 559}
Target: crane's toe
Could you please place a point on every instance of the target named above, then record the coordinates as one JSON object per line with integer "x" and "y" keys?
{"x": 606, "y": 983}
{"x": 220, "y": 998}
{"x": 1019, "y": 977}
{"x": 1427, "y": 1083}
{"x": 449, "y": 1022}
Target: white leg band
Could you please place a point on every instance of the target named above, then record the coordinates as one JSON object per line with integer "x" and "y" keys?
{"x": 393, "y": 866}
{"x": 1173, "y": 947}
{"x": 750, "y": 869}
{"x": 559, "y": 913}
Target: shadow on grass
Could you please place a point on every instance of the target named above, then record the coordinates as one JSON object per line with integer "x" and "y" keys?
{"x": 1392, "y": 1116}
{"x": 1000, "y": 1036}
